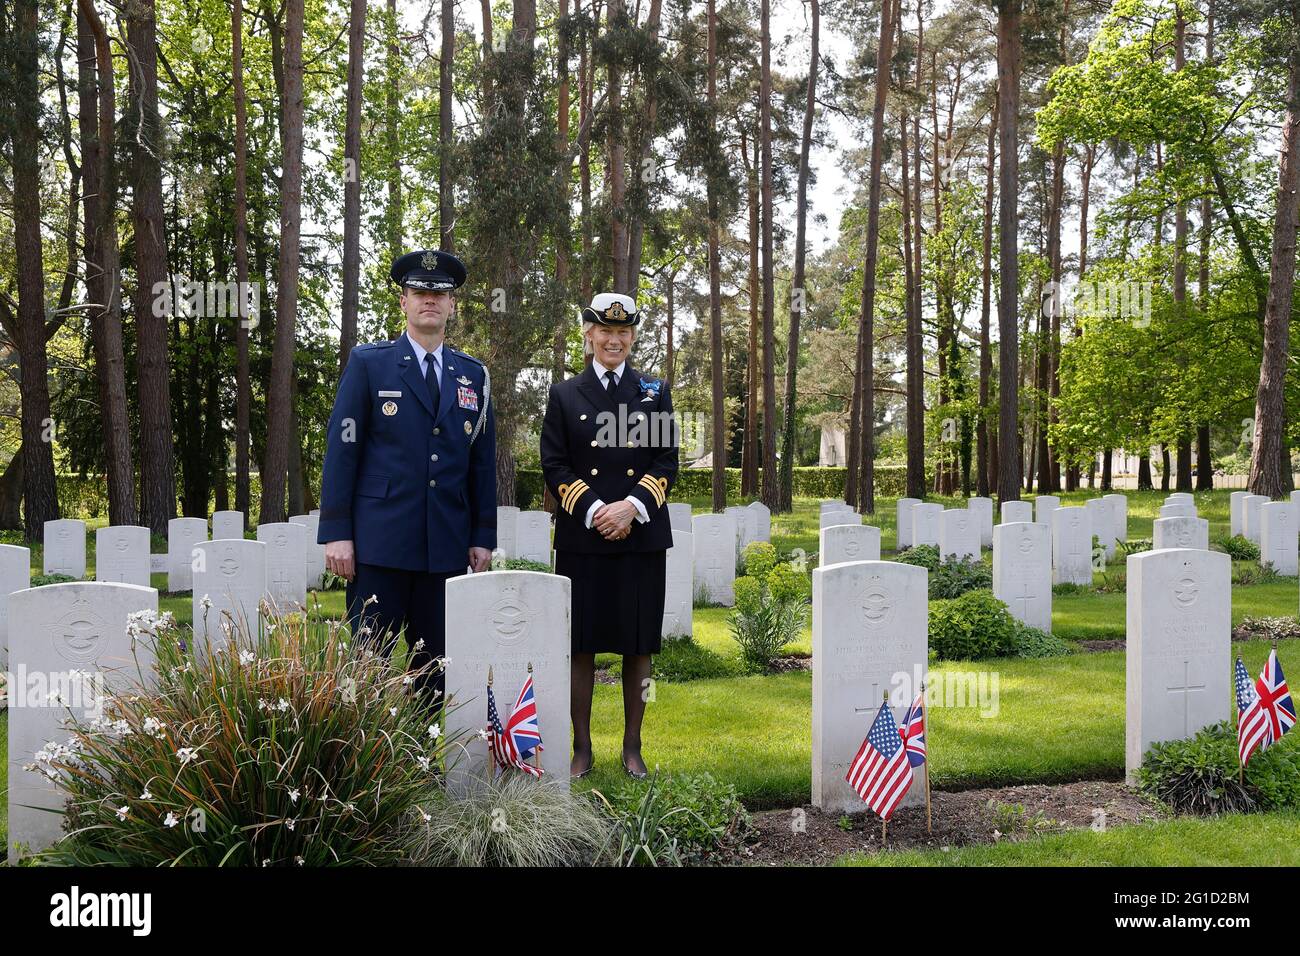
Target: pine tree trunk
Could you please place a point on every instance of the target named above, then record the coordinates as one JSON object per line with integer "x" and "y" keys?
{"x": 986, "y": 477}
{"x": 243, "y": 383}
{"x": 770, "y": 489}
{"x": 616, "y": 161}
{"x": 749, "y": 444}
{"x": 715, "y": 279}
{"x": 447, "y": 120}
{"x": 1008, "y": 257}
{"x": 352, "y": 181}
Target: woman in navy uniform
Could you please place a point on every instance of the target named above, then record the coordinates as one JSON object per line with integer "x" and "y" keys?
{"x": 609, "y": 456}
{"x": 409, "y": 490}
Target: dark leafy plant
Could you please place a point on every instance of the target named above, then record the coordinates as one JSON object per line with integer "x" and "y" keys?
{"x": 1238, "y": 547}
{"x": 972, "y": 626}
{"x": 682, "y": 659}
{"x": 697, "y": 813}
{"x": 1032, "y": 642}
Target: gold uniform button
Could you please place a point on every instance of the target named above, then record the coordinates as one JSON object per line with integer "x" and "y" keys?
{"x": 593, "y": 471}
{"x": 631, "y": 444}
{"x": 630, "y": 472}
{"x": 593, "y": 443}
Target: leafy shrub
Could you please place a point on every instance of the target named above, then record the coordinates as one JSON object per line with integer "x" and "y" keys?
{"x": 1135, "y": 547}
{"x": 678, "y": 818}
{"x": 282, "y": 748}
{"x": 1200, "y": 775}
{"x": 513, "y": 821}
{"x": 1070, "y": 587}
{"x": 39, "y": 580}
{"x": 1031, "y": 642}
{"x": 957, "y": 576}
{"x": 1238, "y": 547}
{"x": 922, "y": 555}
{"x": 758, "y": 558}
{"x": 1254, "y": 574}
{"x": 682, "y": 659}
{"x": 972, "y": 626}
{"x": 520, "y": 564}
{"x": 762, "y": 622}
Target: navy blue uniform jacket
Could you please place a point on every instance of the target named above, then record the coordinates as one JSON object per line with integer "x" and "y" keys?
{"x": 403, "y": 480}
{"x": 595, "y": 446}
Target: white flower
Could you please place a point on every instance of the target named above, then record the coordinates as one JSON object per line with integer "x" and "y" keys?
{"x": 434, "y": 731}
{"x": 170, "y": 820}
{"x": 206, "y": 602}
{"x": 122, "y": 727}
{"x": 427, "y": 817}
{"x": 291, "y": 823}
{"x": 121, "y": 812}
{"x": 282, "y": 705}
{"x": 299, "y": 861}
{"x": 245, "y": 657}
{"x": 154, "y": 726}
{"x": 484, "y": 735}
{"x": 423, "y": 762}
{"x": 263, "y": 703}
{"x": 419, "y": 645}
{"x": 146, "y": 795}
{"x": 186, "y": 754}
{"x": 392, "y": 711}
{"x": 294, "y": 794}
{"x": 56, "y": 698}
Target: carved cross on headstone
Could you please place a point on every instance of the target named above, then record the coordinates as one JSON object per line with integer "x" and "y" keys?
{"x": 1185, "y": 689}
{"x": 1025, "y": 597}
{"x": 281, "y": 580}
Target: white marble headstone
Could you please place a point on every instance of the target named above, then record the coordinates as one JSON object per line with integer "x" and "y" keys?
{"x": 679, "y": 516}
{"x": 315, "y": 553}
{"x": 1251, "y": 516}
{"x": 959, "y": 534}
{"x": 286, "y": 564}
{"x": 54, "y": 630}
{"x": 507, "y": 620}
{"x": 182, "y": 535}
{"x": 231, "y": 573}
{"x": 227, "y": 524}
{"x": 715, "y": 557}
{"x": 122, "y": 555}
{"x": 904, "y": 521}
{"x": 507, "y": 526}
{"x": 869, "y": 638}
{"x": 1236, "y": 515}
{"x": 839, "y": 516}
{"x": 925, "y": 523}
{"x": 1014, "y": 511}
{"x": 1118, "y": 516}
{"x": 1180, "y": 532}
{"x": 65, "y": 547}
{"x": 15, "y": 575}
{"x": 679, "y": 586}
{"x": 1277, "y": 537}
{"x": 1044, "y": 505}
{"x": 1100, "y": 514}
{"x": 1178, "y": 509}
{"x": 533, "y": 536}
{"x": 761, "y": 516}
{"x": 982, "y": 508}
{"x": 1022, "y": 571}
{"x": 1071, "y": 546}
{"x": 1178, "y": 653}
{"x": 848, "y": 542}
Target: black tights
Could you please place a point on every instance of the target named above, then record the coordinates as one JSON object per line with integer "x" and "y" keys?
{"x": 636, "y": 691}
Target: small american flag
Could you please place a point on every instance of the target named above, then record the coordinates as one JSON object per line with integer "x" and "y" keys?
{"x": 913, "y": 731}
{"x": 1275, "y": 699}
{"x": 1252, "y": 723}
{"x": 881, "y": 773}
{"x": 498, "y": 742}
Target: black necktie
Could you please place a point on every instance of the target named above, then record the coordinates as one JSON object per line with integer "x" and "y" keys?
{"x": 431, "y": 379}
{"x": 611, "y": 383}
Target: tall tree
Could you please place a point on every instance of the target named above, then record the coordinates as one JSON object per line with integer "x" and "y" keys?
{"x": 97, "y": 109}
{"x": 157, "y": 472}
{"x": 243, "y": 383}
{"x": 27, "y": 329}
{"x": 352, "y": 180}
{"x": 279, "y": 388}
{"x": 770, "y": 489}
{"x": 1266, "y": 452}
{"x": 867, "y": 307}
{"x": 446, "y": 120}
{"x": 1008, "y": 251}
{"x": 749, "y": 486}
{"x": 986, "y": 478}
{"x": 798, "y": 293}
{"x": 616, "y": 159}
{"x": 712, "y": 187}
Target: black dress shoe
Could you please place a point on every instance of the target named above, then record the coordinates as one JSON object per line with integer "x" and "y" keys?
{"x": 583, "y": 773}
{"x": 634, "y": 774}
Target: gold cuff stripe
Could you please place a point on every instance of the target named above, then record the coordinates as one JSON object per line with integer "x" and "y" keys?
{"x": 653, "y": 486}
{"x": 572, "y": 494}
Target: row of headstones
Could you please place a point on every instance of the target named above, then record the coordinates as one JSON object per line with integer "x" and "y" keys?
{"x": 870, "y": 638}
{"x": 1272, "y": 525}
{"x": 122, "y": 551}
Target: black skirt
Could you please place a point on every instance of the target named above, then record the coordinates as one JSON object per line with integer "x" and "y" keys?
{"x": 618, "y": 600}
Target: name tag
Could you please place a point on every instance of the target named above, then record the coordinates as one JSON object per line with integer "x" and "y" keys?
{"x": 467, "y": 398}
{"x": 383, "y": 394}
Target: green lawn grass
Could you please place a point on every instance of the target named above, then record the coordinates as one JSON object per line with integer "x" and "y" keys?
{"x": 1258, "y": 839}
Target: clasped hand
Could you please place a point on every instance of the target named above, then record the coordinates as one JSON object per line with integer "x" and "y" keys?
{"x": 614, "y": 521}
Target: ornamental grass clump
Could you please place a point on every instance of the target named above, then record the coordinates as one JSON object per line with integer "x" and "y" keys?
{"x": 279, "y": 747}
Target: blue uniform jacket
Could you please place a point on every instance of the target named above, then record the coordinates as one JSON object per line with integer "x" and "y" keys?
{"x": 411, "y": 486}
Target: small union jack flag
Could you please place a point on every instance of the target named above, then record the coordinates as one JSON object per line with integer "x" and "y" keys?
{"x": 522, "y": 730}
{"x": 880, "y": 773}
{"x": 1275, "y": 699}
{"x": 913, "y": 731}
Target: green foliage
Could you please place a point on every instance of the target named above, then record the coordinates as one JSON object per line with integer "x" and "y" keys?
{"x": 769, "y": 613}
{"x": 41, "y": 579}
{"x": 758, "y": 558}
{"x": 682, "y": 659}
{"x": 513, "y": 821}
{"x": 678, "y": 818}
{"x": 1135, "y": 547}
{"x": 1031, "y": 642}
{"x": 281, "y": 748}
{"x": 1238, "y": 547}
{"x": 957, "y": 576}
{"x": 972, "y": 626}
{"x": 922, "y": 555}
{"x": 522, "y": 564}
{"x": 1200, "y": 775}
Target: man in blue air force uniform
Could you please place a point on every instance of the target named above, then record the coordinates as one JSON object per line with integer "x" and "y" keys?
{"x": 409, "y": 492}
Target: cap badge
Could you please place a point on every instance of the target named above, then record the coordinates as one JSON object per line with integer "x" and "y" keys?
{"x": 615, "y": 312}
{"x": 390, "y": 408}
{"x": 429, "y": 260}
